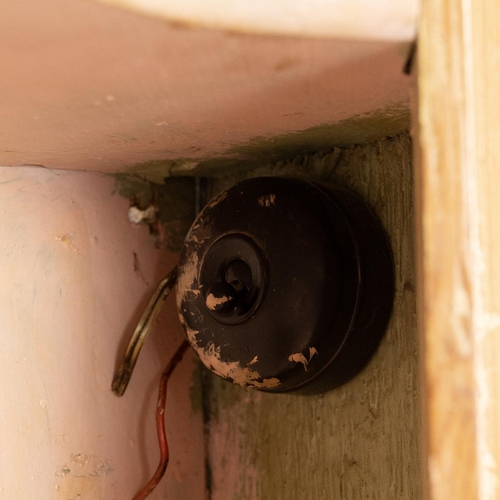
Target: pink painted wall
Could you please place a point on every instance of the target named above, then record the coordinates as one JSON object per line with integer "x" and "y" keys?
{"x": 97, "y": 88}
{"x": 69, "y": 295}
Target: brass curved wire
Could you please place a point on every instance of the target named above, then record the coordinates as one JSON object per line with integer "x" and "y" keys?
{"x": 124, "y": 371}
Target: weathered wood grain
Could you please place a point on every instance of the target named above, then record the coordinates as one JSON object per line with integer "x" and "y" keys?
{"x": 362, "y": 440}
{"x": 459, "y": 245}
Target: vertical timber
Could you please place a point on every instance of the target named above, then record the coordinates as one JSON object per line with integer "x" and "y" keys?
{"x": 362, "y": 439}
{"x": 458, "y": 245}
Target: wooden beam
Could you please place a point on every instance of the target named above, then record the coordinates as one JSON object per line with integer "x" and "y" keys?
{"x": 458, "y": 245}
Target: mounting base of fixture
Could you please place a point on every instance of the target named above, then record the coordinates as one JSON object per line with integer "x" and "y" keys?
{"x": 285, "y": 285}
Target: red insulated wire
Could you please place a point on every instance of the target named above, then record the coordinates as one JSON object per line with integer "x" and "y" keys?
{"x": 160, "y": 424}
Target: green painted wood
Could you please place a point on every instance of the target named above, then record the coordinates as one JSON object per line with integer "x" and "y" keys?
{"x": 360, "y": 441}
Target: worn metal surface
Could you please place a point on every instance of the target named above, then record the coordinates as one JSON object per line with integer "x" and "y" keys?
{"x": 314, "y": 296}
{"x": 360, "y": 441}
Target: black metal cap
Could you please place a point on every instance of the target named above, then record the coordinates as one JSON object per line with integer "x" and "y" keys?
{"x": 281, "y": 281}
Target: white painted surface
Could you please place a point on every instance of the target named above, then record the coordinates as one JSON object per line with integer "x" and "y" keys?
{"x": 382, "y": 20}
{"x": 69, "y": 296}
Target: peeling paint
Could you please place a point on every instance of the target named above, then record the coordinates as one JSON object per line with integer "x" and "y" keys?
{"x": 222, "y": 196}
{"x": 197, "y": 240}
{"x": 186, "y": 279}
{"x": 245, "y": 377}
{"x": 212, "y": 301}
{"x": 298, "y": 357}
{"x": 188, "y": 287}
{"x": 267, "y": 201}
{"x": 85, "y": 477}
{"x": 210, "y": 357}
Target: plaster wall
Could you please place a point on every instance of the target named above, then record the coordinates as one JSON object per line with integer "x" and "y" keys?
{"x": 86, "y": 86}
{"x": 75, "y": 275}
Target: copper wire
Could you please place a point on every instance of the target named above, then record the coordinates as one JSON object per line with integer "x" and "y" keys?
{"x": 160, "y": 424}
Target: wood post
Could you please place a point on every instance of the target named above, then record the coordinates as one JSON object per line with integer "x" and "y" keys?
{"x": 458, "y": 245}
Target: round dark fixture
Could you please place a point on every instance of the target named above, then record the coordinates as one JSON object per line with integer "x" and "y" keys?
{"x": 285, "y": 285}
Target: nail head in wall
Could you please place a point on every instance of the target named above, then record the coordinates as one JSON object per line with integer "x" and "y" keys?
{"x": 168, "y": 208}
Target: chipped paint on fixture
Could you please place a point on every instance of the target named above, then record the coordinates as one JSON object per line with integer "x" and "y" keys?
{"x": 298, "y": 357}
{"x": 267, "y": 201}
{"x": 210, "y": 357}
{"x": 246, "y": 377}
{"x": 213, "y": 302}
